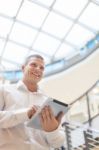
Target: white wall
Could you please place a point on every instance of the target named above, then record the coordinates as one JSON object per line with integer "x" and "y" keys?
{"x": 72, "y": 83}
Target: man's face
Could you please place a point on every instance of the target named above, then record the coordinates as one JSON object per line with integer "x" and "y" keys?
{"x": 33, "y": 70}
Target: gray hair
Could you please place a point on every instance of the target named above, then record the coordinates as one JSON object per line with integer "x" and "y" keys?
{"x": 27, "y": 59}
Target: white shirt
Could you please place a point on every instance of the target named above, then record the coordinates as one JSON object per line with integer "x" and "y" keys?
{"x": 15, "y": 99}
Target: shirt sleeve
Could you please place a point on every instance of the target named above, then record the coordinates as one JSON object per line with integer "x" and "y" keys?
{"x": 56, "y": 138}
{"x": 11, "y": 118}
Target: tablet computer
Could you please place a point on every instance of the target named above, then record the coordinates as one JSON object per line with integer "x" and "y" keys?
{"x": 56, "y": 106}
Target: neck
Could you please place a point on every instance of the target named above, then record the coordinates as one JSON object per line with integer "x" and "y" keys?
{"x": 30, "y": 85}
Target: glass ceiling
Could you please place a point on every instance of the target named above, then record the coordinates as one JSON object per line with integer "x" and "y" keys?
{"x": 53, "y": 28}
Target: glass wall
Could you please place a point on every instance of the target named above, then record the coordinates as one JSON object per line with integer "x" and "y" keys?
{"x": 85, "y": 108}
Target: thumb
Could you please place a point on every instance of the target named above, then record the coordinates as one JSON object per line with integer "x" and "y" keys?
{"x": 59, "y": 116}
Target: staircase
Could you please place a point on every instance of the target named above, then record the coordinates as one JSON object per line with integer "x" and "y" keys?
{"x": 84, "y": 139}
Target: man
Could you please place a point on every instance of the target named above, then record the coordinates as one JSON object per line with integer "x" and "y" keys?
{"x": 18, "y": 103}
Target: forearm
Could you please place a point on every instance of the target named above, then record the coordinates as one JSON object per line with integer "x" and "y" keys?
{"x": 12, "y": 118}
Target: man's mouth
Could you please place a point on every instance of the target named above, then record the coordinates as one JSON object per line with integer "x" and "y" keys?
{"x": 36, "y": 75}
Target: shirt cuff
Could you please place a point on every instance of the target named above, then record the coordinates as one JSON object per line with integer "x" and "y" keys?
{"x": 22, "y": 115}
{"x": 56, "y": 138}
{"x": 53, "y": 133}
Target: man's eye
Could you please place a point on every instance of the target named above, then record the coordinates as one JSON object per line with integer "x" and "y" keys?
{"x": 34, "y": 65}
{"x": 42, "y": 68}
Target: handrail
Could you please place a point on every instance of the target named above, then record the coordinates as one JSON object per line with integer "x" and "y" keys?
{"x": 85, "y": 92}
{"x": 94, "y": 130}
{"x": 90, "y": 142}
{"x": 87, "y": 104}
{"x": 72, "y": 124}
{"x": 92, "y": 118}
{"x": 93, "y": 140}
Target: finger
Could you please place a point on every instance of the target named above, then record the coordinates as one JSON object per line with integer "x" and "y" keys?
{"x": 36, "y": 107}
{"x": 41, "y": 118}
{"x": 46, "y": 113}
{"x": 59, "y": 116}
{"x": 50, "y": 111}
{"x": 43, "y": 115}
{"x": 42, "y": 121}
{"x": 33, "y": 110}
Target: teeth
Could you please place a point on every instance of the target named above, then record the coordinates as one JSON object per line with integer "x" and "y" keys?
{"x": 36, "y": 75}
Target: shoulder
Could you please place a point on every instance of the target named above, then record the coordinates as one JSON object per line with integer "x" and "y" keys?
{"x": 7, "y": 87}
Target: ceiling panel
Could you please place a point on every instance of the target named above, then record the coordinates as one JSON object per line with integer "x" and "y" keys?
{"x": 9, "y": 7}
{"x": 57, "y": 25}
{"x": 79, "y": 35}
{"x": 23, "y": 34}
{"x": 70, "y": 8}
{"x": 1, "y": 46}
{"x": 15, "y": 53}
{"x": 52, "y": 28}
{"x": 46, "y": 2}
{"x": 46, "y": 44}
{"x": 64, "y": 51}
{"x": 32, "y": 14}
{"x": 5, "y": 25}
{"x": 90, "y": 16}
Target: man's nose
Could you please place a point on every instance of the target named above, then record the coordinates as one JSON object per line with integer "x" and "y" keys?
{"x": 38, "y": 68}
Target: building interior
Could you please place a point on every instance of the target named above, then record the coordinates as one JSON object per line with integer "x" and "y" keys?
{"x": 66, "y": 34}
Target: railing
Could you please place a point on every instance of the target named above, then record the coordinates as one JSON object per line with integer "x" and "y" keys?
{"x": 88, "y": 139}
{"x": 85, "y": 101}
{"x": 81, "y": 136}
{"x": 92, "y": 142}
{"x": 74, "y": 135}
{"x": 78, "y": 135}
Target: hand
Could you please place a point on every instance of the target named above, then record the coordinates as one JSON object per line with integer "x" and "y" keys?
{"x": 32, "y": 111}
{"x": 48, "y": 121}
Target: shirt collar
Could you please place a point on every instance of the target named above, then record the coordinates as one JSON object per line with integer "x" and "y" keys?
{"x": 22, "y": 86}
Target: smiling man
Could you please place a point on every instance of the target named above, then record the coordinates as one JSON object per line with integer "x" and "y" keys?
{"x": 18, "y": 103}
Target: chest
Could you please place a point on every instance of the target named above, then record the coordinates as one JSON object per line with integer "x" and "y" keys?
{"x": 18, "y": 99}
